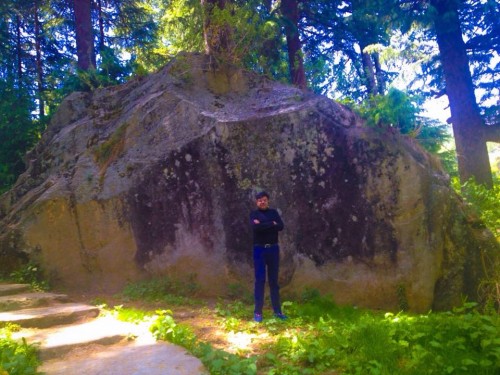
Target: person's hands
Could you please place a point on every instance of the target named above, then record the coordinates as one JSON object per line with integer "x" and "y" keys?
{"x": 255, "y": 221}
{"x": 275, "y": 223}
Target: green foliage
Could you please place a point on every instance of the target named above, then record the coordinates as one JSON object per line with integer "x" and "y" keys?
{"x": 18, "y": 133}
{"x": 125, "y": 314}
{"x": 87, "y": 80}
{"x": 165, "y": 328}
{"x": 397, "y": 110}
{"x": 249, "y": 30}
{"x": 320, "y": 337}
{"x": 485, "y": 204}
{"x": 17, "y": 358}
{"x": 182, "y": 23}
{"x": 461, "y": 342}
{"x": 238, "y": 291}
{"x": 217, "y": 361}
{"x": 236, "y": 308}
{"x": 32, "y": 274}
{"x": 163, "y": 290}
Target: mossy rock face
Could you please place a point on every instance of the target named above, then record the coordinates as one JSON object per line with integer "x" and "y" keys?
{"x": 157, "y": 177}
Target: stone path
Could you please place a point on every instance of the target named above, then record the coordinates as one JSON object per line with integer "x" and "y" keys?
{"x": 74, "y": 339}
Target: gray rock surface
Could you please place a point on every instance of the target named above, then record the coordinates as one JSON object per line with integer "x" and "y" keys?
{"x": 29, "y": 299}
{"x": 156, "y": 177}
{"x": 9, "y": 289}
{"x": 157, "y": 359}
{"x": 50, "y": 315}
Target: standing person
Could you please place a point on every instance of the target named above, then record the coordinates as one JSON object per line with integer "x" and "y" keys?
{"x": 266, "y": 223}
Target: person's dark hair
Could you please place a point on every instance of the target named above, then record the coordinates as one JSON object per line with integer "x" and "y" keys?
{"x": 261, "y": 194}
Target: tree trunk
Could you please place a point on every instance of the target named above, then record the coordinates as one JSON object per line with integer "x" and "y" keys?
{"x": 84, "y": 35}
{"x": 369, "y": 72}
{"x": 492, "y": 133}
{"x": 39, "y": 66}
{"x": 379, "y": 73}
{"x": 101, "y": 26}
{"x": 468, "y": 126}
{"x": 290, "y": 12}
{"x": 218, "y": 38}
{"x": 19, "y": 51}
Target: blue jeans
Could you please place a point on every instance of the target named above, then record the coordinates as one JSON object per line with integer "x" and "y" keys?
{"x": 266, "y": 258}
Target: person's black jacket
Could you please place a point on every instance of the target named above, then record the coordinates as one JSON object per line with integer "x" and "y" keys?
{"x": 270, "y": 223}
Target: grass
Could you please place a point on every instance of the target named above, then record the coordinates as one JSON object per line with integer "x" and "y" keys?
{"x": 323, "y": 338}
{"x": 166, "y": 290}
{"x": 319, "y": 337}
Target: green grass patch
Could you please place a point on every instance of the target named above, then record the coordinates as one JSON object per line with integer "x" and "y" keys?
{"x": 126, "y": 314}
{"x": 217, "y": 361}
{"x": 323, "y": 338}
{"x": 167, "y": 290}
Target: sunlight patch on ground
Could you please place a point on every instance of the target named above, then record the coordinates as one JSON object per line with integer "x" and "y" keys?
{"x": 243, "y": 341}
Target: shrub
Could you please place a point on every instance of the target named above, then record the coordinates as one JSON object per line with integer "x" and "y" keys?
{"x": 17, "y": 358}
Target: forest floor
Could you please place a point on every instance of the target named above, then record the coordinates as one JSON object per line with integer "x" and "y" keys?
{"x": 204, "y": 318}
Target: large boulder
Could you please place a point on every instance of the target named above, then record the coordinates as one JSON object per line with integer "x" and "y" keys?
{"x": 157, "y": 176}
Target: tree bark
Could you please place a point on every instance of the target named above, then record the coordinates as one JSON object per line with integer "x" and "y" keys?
{"x": 101, "y": 26}
{"x": 369, "y": 72}
{"x": 218, "y": 38}
{"x": 468, "y": 126}
{"x": 492, "y": 133}
{"x": 19, "y": 48}
{"x": 84, "y": 35}
{"x": 290, "y": 11}
{"x": 379, "y": 73}
{"x": 39, "y": 66}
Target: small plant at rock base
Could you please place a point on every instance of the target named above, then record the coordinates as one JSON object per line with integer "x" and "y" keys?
{"x": 164, "y": 289}
{"x": 310, "y": 294}
{"x": 30, "y": 274}
{"x": 402, "y": 298}
{"x": 238, "y": 291}
{"x": 165, "y": 328}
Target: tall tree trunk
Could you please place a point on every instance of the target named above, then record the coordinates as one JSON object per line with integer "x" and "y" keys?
{"x": 369, "y": 71}
{"x": 379, "y": 73}
{"x": 217, "y": 37}
{"x": 84, "y": 35}
{"x": 19, "y": 51}
{"x": 468, "y": 126}
{"x": 290, "y": 11}
{"x": 101, "y": 25}
{"x": 492, "y": 133}
{"x": 39, "y": 66}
